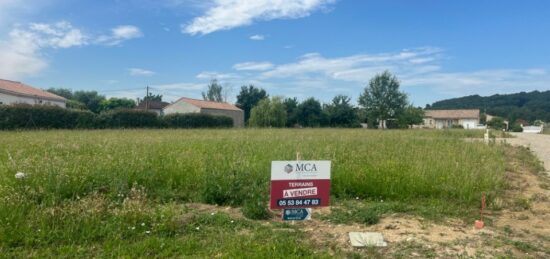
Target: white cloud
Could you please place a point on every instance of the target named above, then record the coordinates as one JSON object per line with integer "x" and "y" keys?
{"x": 215, "y": 75}
{"x": 359, "y": 67}
{"x": 170, "y": 91}
{"x": 120, "y": 34}
{"x": 420, "y": 69}
{"x": 228, "y": 14}
{"x": 12, "y": 11}
{"x": 58, "y": 35}
{"x": 257, "y": 37}
{"x": 253, "y": 66}
{"x": 174, "y": 91}
{"x": 481, "y": 82}
{"x": 140, "y": 72}
{"x": 21, "y": 54}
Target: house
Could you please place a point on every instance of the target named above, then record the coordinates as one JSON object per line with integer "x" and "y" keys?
{"x": 439, "y": 119}
{"x": 188, "y": 105}
{"x": 532, "y": 129}
{"x": 12, "y": 92}
{"x": 154, "y": 106}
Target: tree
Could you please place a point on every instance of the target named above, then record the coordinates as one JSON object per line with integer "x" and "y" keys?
{"x": 63, "y": 92}
{"x": 153, "y": 97}
{"x": 248, "y": 98}
{"x": 214, "y": 92}
{"x": 268, "y": 113}
{"x": 483, "y": 118}
{"x": 76, "y": 105}
{"x": 309, "y": 113}
{"x": 497, "y": 123}
{"x": 341, "y": 113}
{"x": 410, "y": 116}
{"x": 291, "y": 105}
{"x": 91, "y": 99}
{"x": 382, "y": 99}
{"x": 114, "y": 103}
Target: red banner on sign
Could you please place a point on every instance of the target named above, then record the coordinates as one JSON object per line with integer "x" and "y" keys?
{"x": 286, "y": 194}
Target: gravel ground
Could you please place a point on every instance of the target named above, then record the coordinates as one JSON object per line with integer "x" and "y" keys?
{"x": 538, "y": 143}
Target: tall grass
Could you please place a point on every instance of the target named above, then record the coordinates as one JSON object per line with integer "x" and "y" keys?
{"x": 85, "y": 187}
{"x": 184, "y": 164}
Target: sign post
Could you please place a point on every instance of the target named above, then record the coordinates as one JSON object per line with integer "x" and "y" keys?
{"x": 300, "y": 184}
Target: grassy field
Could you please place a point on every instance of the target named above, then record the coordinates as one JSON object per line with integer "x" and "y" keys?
{"x": 127, "y": 192}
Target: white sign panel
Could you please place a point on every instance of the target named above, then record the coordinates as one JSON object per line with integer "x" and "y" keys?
{"x": 300, "y": 170}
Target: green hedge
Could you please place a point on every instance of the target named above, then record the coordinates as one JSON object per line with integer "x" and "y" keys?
{"x": 197, "y": 120}
{"x": 127, "y": 118}
{"x": 52, "y": 117}
{"x": 44, "y": 117}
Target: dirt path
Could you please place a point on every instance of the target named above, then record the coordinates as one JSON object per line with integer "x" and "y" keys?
{"x": 538, "y": 143}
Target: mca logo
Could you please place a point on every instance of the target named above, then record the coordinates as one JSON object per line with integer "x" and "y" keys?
{"x": 289, "y": 168}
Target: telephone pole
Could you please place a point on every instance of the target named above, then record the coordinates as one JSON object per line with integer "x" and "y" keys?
{"x": 147, "y": 99}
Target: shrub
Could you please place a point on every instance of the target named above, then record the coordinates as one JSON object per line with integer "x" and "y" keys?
{"x": 497, "y": 123}
{"x": 24, "y": 116}
{"x": 85, "y": 119}
{"x": 196, "y": 120}
{"x": 517, "y": 128}
{"x": 128, "y": 118}
{"x": 256, "y": 209}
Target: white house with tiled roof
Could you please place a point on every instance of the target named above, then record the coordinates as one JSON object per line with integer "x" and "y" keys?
{"x": 188, "y": 105}
{"x": 12, "y": 92}
{"x": 440, "y": 119}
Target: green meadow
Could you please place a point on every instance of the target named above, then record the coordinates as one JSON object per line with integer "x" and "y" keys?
{"x": 126, "y": 193}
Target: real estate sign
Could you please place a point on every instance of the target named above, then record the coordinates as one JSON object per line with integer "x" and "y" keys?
{"x": 300, "y": 184}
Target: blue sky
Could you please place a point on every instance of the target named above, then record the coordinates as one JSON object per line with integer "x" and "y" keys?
{"x": 437, "y": 48}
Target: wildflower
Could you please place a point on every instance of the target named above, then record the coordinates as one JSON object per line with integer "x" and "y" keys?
{"x": 133, "y": 228}
{"x": 212, "y": 214}
{"x": 197, "y": 228}
{"x": 232, "y": 221}
{"x": 20, "y": 175}
{"x": 143, "y": 224}
{"x": 357, "y": 198}
{"x": 147, "y": 232}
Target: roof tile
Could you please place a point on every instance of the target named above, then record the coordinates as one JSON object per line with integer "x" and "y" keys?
{"x": 210, "y": 104}
{"x": 18, "y": 88}
{"x": 453, "y": 114}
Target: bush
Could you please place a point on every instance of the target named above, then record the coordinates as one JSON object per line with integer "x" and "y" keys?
{"x": 24, "y": 116}
{"x": 256, "y": 209}
{"x": 128, "y": 118}
{"x": 517, "y": 128}
{"x": 85, "y": 119}
{"x": 497, "y": 123}
{"x": 197, "y": 120}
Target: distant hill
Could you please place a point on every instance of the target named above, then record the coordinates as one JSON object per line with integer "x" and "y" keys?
{"x": 527, "y": 106}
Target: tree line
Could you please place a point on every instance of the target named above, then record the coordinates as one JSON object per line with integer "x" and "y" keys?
{"x": 517, "y": 107}
{"x": 381, "y": 105}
